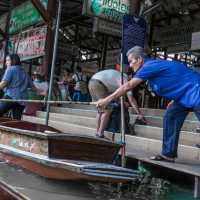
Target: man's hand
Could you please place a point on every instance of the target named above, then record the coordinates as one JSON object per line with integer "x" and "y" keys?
{"x": 170, "y": 103}
{"x": 102, "y": 103}
{"x": 142, "y": 119}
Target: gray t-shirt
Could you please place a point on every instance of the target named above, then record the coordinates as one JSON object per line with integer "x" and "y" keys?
{"x": 111, "y": 79}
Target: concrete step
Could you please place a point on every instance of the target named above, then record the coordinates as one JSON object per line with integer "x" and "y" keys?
{"x": 156, "y": 121}
{"x": 160, "y": 112}
{"x": 153, "y": 146}
{"x": 80, "y": 106}
{"x": 68, "y": 118}
{"x": 132, "y": 142}
{"x": 74, "y": 111}
{"x": 154, "y": 116}
{"x": 186, "y": 137}
{"x": 146, "y": 111}
{"x": 62, "y": 126}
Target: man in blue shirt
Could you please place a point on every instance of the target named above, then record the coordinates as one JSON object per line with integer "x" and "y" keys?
{"x": 169, "y": 79}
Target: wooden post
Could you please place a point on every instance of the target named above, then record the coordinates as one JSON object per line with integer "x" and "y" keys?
{"x": 7, "y": 35}
{"x": 135, "y": 7}
{"x": 45, "y": 15}
{"x": 51, "y": 9}
{"x": 196, "y": 187}
{"x": 104, "y": 51}
{"x": 75, "y": 41}
{"x": 53, "y": 60}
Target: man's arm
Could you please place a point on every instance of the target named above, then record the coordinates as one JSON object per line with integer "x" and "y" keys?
{"x": 3, "y": 84}
{"x": 119, "y": 92}
{"x": 134, "y": 104}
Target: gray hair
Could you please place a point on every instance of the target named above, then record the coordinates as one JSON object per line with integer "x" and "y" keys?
{"x": 136, "y": 51}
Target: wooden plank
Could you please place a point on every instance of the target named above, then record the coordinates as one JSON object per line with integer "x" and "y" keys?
{"x": 84, "y": 149}
{"x": 196, "y": 187}
{"x": 190, "y": 167}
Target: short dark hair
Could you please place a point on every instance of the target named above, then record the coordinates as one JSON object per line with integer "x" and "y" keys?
{"x": 15, "y": 59}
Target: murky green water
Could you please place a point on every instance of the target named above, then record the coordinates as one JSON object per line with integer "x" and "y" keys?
{"x": 38, "y": 188}
{"x": 146, "y": 189}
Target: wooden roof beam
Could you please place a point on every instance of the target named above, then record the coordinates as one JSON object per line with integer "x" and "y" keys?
{"x": 43, "y": 12}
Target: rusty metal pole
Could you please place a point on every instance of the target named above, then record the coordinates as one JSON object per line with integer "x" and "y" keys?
{"x": 135, "y": 10}
{"x": 53, "y": 59}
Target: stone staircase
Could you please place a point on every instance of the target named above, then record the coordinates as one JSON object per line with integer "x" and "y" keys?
{"x": 80, "y": 119}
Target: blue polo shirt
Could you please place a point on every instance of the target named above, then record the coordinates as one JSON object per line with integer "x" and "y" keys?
{"x": 172, "y": 80}
{"x": 18, "y": 82}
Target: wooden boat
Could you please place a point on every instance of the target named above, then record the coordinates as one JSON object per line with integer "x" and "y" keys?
{"x": 49, "y": 153}
{"x": 9, "y": 193}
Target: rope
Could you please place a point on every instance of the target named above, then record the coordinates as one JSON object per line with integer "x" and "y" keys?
{"x": 51, "y": 102}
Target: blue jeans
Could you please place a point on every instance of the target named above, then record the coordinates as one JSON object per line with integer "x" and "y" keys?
{"x": 78, "y": 96}
{"x": 172, "y": 123}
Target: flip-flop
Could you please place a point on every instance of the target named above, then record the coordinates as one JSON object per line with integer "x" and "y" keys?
{"x": 161, "y": 158}
{"x": 197, "y": 145}
{"x": 99, "y": 136}
{"x": 140, "y": 122}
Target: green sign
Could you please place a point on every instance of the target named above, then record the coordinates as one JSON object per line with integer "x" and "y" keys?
{"x": 108, "y": 9}
{"x": 25, "y": 15}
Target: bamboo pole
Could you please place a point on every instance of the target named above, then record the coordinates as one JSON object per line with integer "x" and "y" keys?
{"x": 50, "y": 102}
{"x": 123, "y": 161}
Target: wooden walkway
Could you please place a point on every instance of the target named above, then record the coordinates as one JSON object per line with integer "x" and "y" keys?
{"x": 189, "y": 167}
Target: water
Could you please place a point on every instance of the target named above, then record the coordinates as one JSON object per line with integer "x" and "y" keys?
{"x": 154, "y": 189}
{"x": 144, "y": 188}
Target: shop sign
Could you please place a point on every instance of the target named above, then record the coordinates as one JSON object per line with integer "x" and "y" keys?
{"x": 195, "y": 44}
{"x": 2, "y": 50}
{"x": 107, "y": 27}
{"x": 29, "y": 44}
{"x": 25, "y": 15}
{"x": 113, "y": 10}
{"x": 134, "y": 31}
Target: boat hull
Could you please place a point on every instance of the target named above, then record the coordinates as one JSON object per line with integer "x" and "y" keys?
{"x": 49, "y": 153}
{"x": 44, "y": 140}
{"x": 66, "y": 170}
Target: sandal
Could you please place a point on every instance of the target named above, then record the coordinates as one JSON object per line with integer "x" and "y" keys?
{"x": 99, "y": 136}
{"x": 162, "y": 158}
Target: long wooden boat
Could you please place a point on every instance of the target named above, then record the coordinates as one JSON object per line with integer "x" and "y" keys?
{"x": 9, "y": 193}
{"x": 49, "y": 153}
